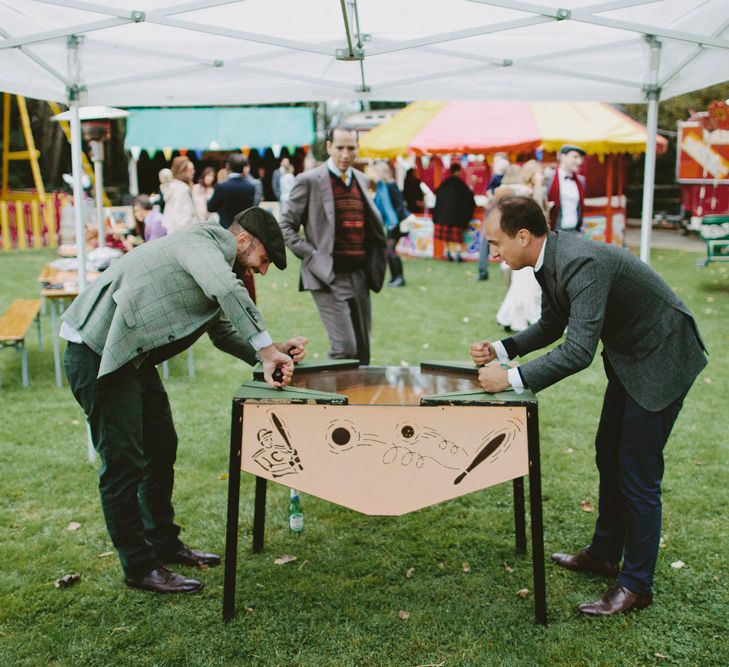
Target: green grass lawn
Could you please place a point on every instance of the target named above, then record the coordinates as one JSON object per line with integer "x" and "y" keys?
{"x": 338, "y": 604}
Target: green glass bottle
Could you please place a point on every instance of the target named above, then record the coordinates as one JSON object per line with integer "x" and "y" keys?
{"x": 296, "y": 514}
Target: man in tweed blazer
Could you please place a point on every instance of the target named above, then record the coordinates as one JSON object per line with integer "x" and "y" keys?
{"x": 322, "y": 202}
{"x": 652, "y": 352}
{"x": 146, "y": 307}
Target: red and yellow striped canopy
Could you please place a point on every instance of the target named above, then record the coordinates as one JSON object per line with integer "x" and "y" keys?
{"x": 431, "y": 128}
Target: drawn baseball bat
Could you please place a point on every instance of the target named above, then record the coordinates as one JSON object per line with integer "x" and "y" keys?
{"x": 489, "y": 449}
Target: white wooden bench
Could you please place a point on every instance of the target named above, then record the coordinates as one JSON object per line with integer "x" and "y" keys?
{"x": 14, "y": 325}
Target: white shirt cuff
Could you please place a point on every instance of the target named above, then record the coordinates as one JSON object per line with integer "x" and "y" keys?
{"x": 515, "y": 380}
{"x": 501, "y": 354}
{"x": 69, "y": 333}
{"x": 261, "y": 339}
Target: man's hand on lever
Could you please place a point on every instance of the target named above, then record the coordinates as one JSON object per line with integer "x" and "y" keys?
{"x": 482, "y": 353}
{"x": 493, "y": 378}
{"x": 273, "y": 360}
{"x": 294, "y": 347}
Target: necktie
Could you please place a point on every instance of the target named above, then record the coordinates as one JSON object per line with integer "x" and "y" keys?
{"x": 344, "y": 178}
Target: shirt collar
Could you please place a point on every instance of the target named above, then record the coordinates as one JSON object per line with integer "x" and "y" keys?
{"x": 333, "y": 168}
{"x": 563, "y": 175}
{"x": 540, "y": 259}
{"x": 235, "y": 175}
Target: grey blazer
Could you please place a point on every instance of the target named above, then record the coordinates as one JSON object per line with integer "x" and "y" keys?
{"x": 175, "y": 287}
{"x": 601, "y": 292}
{"x": 311, "y": 205}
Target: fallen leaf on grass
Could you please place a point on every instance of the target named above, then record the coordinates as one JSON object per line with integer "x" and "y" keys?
{"x": 67, "y": 580}
{"x": 404, "y": 363}
{"x": 75, "y": 422}
{"x": 223, "y": 476}
{"x": 587, "y": 506}
{"x": 248, "y": 609}
{"x": 203, "y": 566}
{"x": 441, "y": 566}
{"x": 106, "y": 554}
{"x": 662, "y": 543}
{"x": 409, "y": 572}
{"x": 465, "y": 567}
{"x": 661, "y": 656}
{"x": 466, "y": 320}
{"x": 678, "y": 564}
{"x": 569, "y": 450}
{"x": 403, "y": 615}
{"x": 284, "y": 559}
{"x": 121, "y": 628}
{"x": 426, "y": 346}
{"x": 522, "y": 593}
{"x": 72, "y": 526}
{"x": 708, "y": 381}
{"x": 508, "y": 568}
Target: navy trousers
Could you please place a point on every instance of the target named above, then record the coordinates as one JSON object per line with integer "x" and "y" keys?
{"x": 132, "y": 429}
{"x": 629, "y": 455}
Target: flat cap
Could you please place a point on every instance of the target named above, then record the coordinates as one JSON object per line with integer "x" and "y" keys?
{"x": 567, "y": 148}
{"x": 261, "y": 223}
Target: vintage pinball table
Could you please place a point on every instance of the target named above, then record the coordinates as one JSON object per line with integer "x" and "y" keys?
{"x": 384, "y": 441}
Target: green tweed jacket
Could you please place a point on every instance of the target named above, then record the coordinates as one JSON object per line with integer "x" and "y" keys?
{"x": 175, "y": 287}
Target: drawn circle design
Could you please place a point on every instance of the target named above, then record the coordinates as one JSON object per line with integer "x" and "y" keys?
{"x": 407, "y": 433}
{"x": 341, "y": 436}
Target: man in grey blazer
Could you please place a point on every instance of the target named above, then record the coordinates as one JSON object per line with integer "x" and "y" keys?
{"x": 342, "y": 252}
{"x": 652, "y": 352}
{"x": 146, "y": 307}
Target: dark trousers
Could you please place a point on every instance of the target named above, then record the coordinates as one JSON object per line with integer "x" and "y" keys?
{"x": 346, "y": 313}
{"x": 629, "y": 455}
{"x": 132, "y": 430}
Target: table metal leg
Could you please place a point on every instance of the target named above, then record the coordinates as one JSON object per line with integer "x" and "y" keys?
{"x": 231, "y": 530}
{"x": 519, "y": 516}
{"x": 40, "y": 337}
{"x": 190, "y": 363}
{"x": 259, "y": 515}
{"x": 56, "y": 342}
{"x": 90, "y": 449}
{"x": 535, "y": 513}
{"x": 23, "y": 363}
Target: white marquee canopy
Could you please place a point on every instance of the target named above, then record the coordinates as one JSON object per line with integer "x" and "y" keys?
{"x": 206, "y": 52}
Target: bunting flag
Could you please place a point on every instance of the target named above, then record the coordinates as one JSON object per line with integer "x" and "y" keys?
{"x": 136, "y": 151}
{"x": 167, "y": 152}
{"x": 261, "y": 152}
{"x": 214, "y": 145}
{"x": 151, "y": 152}
{"x": 246, "y": 150}
{"x": 183, "y": 151}
{"x": 198, "y": 155}
{"x": 276, "y": 149}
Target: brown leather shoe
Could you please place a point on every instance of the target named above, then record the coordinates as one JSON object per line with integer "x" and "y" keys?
{"x": 162, "y": 580}
{"x": 582, "y": 562}
{"x": 186, "y": 556}
{"x": 618, "y": 600}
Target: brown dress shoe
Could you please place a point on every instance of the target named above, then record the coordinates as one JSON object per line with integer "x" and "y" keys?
{"x": 162, "y": 580}
{"x": 618, "y": 600}
{"x": 582, "y": 562}
{"x": 186, "y": 556}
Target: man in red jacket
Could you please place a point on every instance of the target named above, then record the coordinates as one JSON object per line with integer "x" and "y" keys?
{"x": 566, "y": 191}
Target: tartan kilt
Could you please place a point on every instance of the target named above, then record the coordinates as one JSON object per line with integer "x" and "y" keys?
{"x": 448, "y": 234}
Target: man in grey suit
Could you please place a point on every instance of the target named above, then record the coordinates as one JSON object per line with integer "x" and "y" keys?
{"x": 342, "y": 252}
{"x": 652, "y": 352}
{"x": 146, "y": 307}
